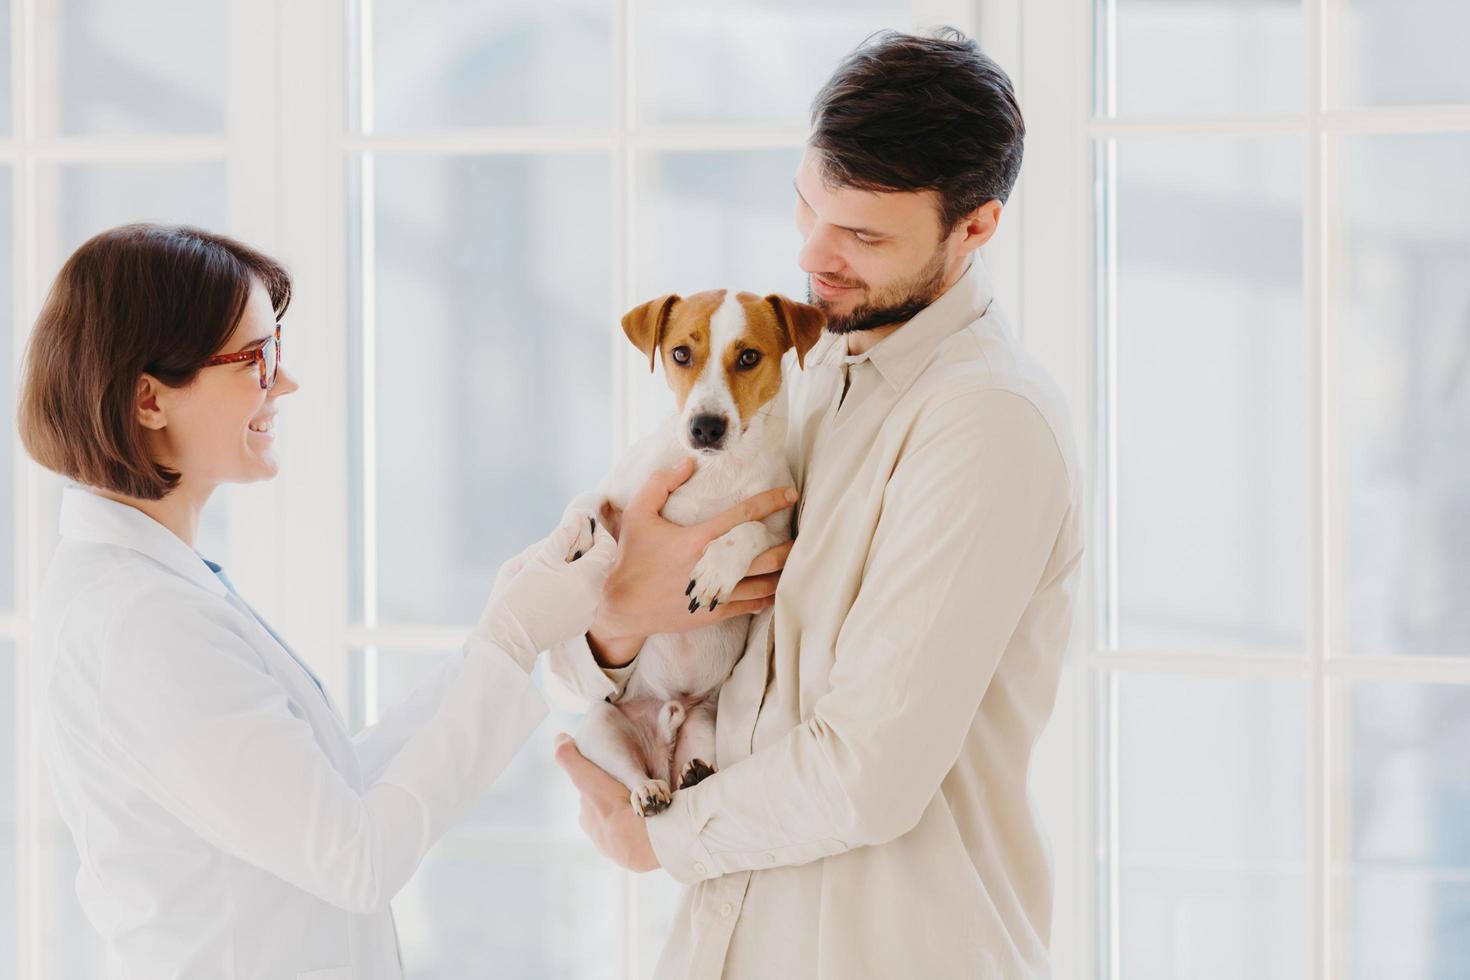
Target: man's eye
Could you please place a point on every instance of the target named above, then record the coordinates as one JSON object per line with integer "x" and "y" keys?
{"x": 866, "y": 241}
{"x": 680, "y": 355}
{"x": 749, "y": 358}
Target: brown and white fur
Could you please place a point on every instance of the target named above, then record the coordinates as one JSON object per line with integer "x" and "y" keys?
{"x": 722, "y": 352}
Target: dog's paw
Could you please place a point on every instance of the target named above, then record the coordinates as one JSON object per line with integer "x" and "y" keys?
{"x": 650, "y": 798}
{"x": 583, "y": 541}
{"x": 695, "y": 771}
{"x": 719, "y": 570}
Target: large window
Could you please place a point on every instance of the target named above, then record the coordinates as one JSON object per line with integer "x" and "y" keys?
{"x": 1282, "y": 216}
{"x": 1239, "y": 242}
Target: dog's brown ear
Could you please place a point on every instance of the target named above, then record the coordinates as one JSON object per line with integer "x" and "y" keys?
{"x": 802, "y": 323}
{"x": 644, "y": 325}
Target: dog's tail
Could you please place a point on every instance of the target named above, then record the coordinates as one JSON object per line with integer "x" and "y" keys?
{"x": 670, "y": 720}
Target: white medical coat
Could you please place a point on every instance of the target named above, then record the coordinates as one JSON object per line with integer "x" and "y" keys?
{"x": 228, "y": 824}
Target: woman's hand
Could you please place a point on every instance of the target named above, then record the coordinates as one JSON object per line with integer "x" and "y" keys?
{"x": 645, "y": 592}
{"x": 540, "y": 598}
{"x": 607, "y": 818}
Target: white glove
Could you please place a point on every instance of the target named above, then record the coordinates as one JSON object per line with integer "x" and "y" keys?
{"x": 540, "y": 598}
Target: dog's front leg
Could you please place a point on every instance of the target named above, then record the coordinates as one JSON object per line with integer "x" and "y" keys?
{"x": 725, "y": 562}
{"x": 587, "y": 509}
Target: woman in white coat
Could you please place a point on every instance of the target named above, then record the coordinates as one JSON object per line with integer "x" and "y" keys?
{"x": 227, "y": 823}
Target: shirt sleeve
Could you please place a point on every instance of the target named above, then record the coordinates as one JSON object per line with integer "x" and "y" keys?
{"x": 572, "y": 664}
{"x": 211, "y": 736}
{"x": 970, "y": 518}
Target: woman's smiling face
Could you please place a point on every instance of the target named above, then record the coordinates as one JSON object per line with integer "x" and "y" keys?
{"x": 220, "y": 427}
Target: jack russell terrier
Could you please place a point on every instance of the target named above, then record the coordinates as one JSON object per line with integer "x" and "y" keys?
{"x": 721, "y": 352}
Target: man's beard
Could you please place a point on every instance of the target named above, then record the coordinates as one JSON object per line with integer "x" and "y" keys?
{"x": 895, "y": 304}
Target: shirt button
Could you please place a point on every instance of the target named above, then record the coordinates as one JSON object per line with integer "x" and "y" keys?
{"x": 726, "y": 909}
{"x": 699, "y": 869}
{"x": 770, "y": 859}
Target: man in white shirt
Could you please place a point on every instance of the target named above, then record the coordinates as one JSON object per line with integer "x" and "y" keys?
{"x": 870, "y": 815}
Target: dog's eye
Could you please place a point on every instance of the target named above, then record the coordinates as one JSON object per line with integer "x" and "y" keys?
{"x": 749, "y": 358}
{"x": 680, "y": 355}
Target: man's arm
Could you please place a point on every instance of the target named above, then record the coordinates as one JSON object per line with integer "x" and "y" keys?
{"x": 970, "y": 519}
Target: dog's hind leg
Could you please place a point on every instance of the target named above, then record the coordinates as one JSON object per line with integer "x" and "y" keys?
{"x": 626, "y": 742}
{"x": 611, "y": 740}
{"x": 694, "y": 753}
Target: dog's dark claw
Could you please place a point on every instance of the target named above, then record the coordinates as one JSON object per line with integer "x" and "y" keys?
{"x": 693, "y": 604}
{"x": 712, "y": 604}
{"x": 690, "y": 587}
{"x": 576, "y": 555}
{"x": 593, "y": 522}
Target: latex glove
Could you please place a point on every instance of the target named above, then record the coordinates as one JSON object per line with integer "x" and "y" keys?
{"x": 541, "y": 599}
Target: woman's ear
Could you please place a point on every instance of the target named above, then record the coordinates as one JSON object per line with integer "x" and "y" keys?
{"x": 151, "y": 402}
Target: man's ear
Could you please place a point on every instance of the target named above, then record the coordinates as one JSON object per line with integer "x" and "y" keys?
{"x": 148, "y": 407}
{"x": 978, "y": 227}
{"x": 644, "y": 325}
{"x": 802, "y": 323}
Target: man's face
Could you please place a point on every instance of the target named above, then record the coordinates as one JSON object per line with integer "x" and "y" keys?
{"x": 872, "y": 258}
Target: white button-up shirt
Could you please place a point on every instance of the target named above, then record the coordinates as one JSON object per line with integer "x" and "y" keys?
{"x": 870, "y": 817}
{"x": 228, "y": 824}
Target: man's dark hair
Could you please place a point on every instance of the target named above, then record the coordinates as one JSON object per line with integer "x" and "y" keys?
{"x": 909, "y": 113}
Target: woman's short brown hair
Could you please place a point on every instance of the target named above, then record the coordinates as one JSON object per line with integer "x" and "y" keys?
{"x": 155, "y": 299}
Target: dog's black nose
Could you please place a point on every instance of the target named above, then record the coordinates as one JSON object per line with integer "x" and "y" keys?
{"x": 706, "y": 431}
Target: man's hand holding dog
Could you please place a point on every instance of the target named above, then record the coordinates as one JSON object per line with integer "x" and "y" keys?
{"x": 607, "y": 820}
{"x": 645, "y": 592}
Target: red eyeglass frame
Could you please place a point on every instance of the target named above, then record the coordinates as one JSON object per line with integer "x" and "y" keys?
{"x": 256, "y": 354}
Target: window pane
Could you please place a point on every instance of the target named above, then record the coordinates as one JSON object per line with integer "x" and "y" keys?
{"x": 462, "y": 63}
{"x": 514, "y": 889}
{"x": 1401, "y": 323}
{"x": 492, "y": 384}
{"x": 1211, "y": 394}
{"x": 712, "y": 220}
{"x": 88, "y": 198}
{"x": 754, "y": 62}
{"x": 1212, "y": 794}
{"x": 1388, "y": 52}
{"x": 1407, "y": 871}
{"x": 130, "y": 66}
{"x": 1208, "y": 57}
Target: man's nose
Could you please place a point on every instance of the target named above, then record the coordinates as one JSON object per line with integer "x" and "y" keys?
{"x": 817, "y": 254}
{"x": 706, "y": 431}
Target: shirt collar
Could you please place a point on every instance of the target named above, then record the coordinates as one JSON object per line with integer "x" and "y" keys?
{"x": 902, "y": 354}
{"x": 87, "y": 516}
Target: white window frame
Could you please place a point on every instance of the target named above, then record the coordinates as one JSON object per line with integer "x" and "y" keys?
{"x": 1068, "y": 319}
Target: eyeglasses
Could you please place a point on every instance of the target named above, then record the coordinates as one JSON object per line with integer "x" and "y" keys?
{"x": 267, "y": 356}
